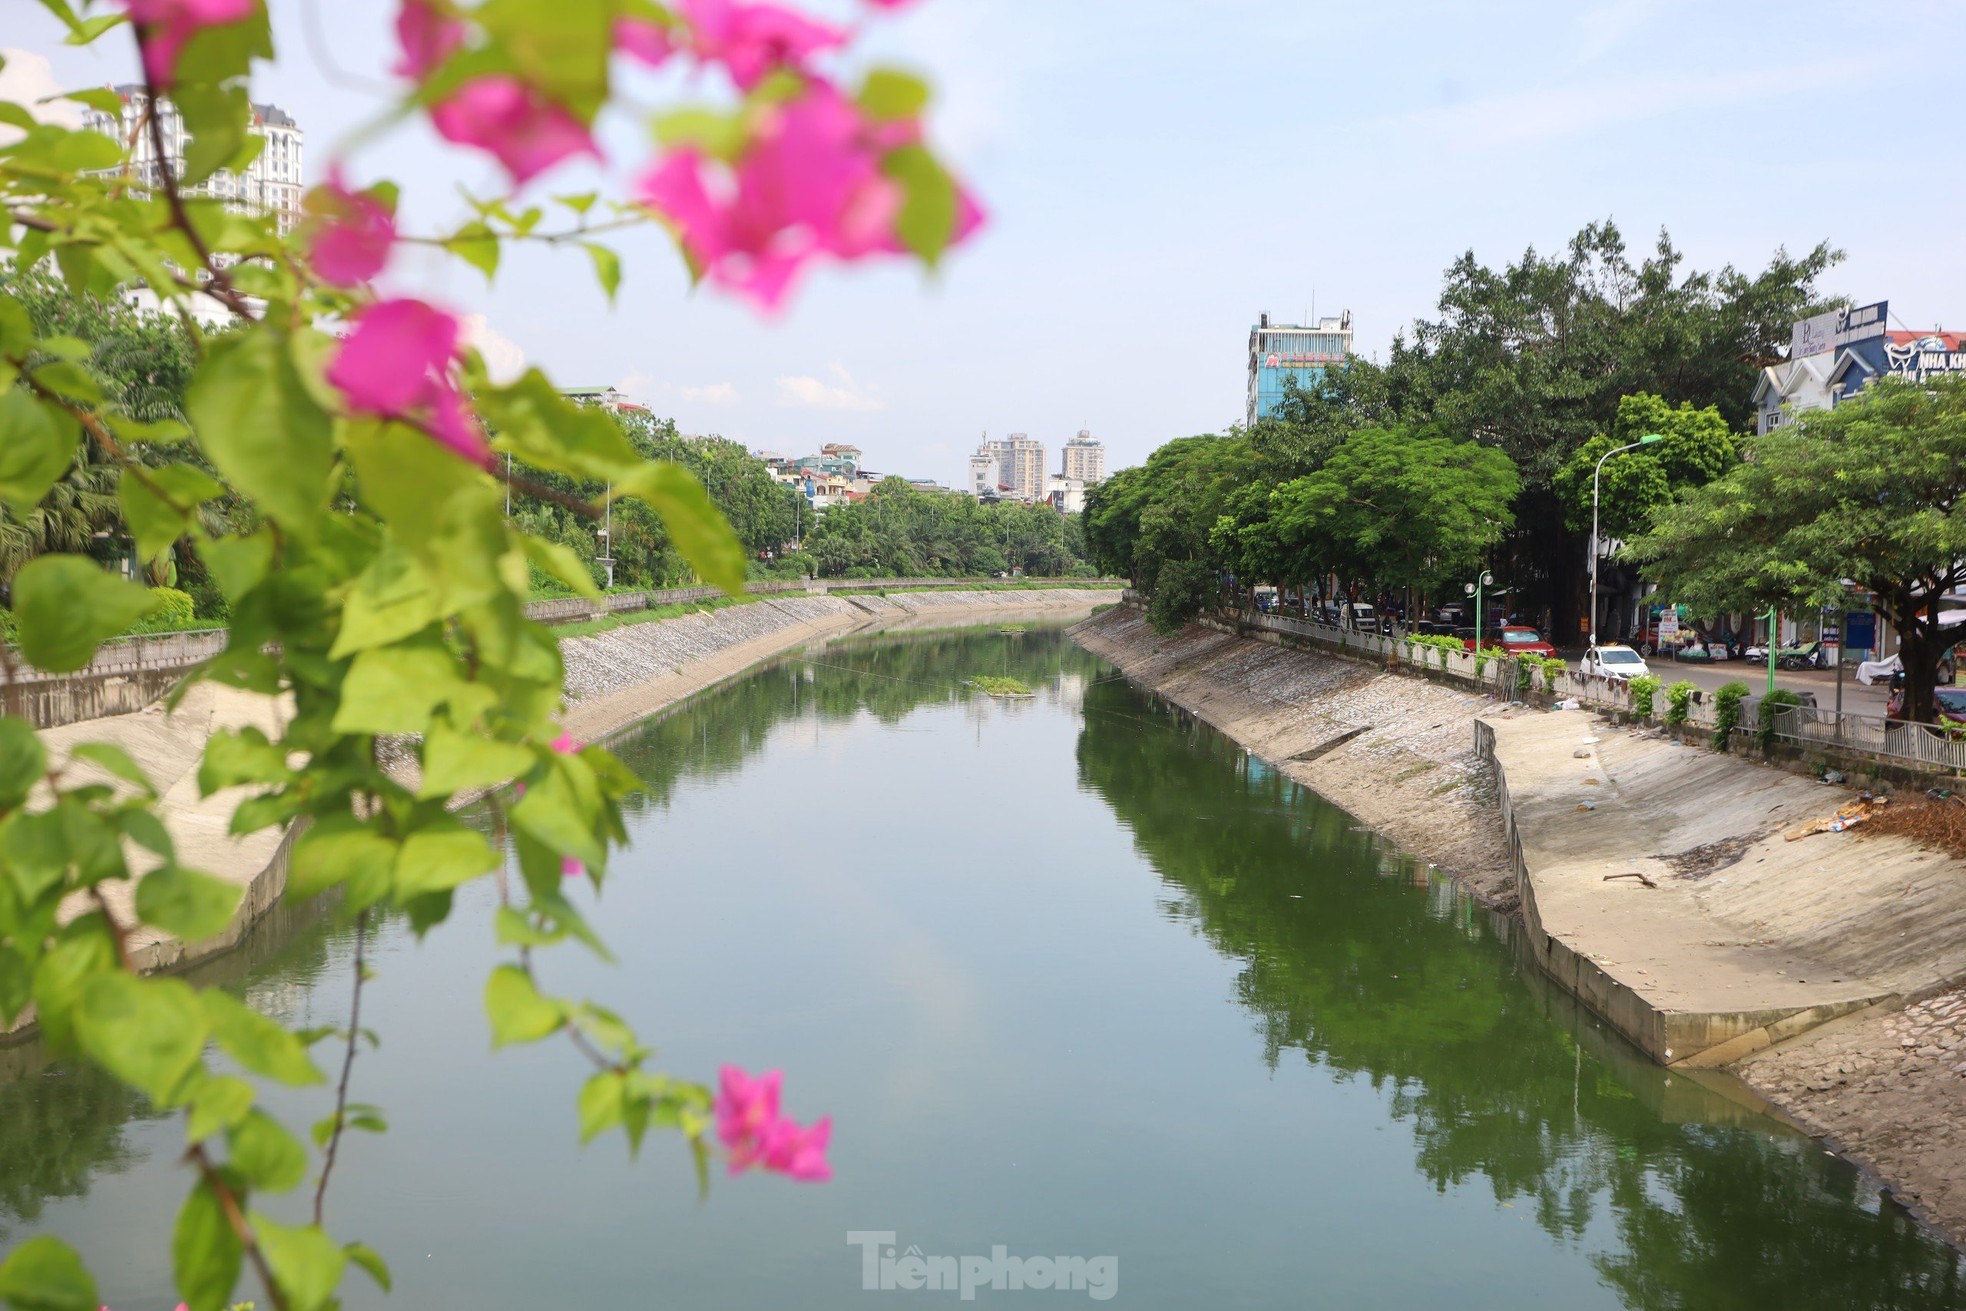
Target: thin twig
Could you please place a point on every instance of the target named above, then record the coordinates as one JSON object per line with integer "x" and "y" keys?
{"x": 347, "y": 1065}
{"x": 122, "y": 934}
{"x": 218, "y": 286}
{"x": 241, "y": 1229}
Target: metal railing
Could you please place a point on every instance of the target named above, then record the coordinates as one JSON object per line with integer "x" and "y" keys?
{"x": 1927, "y": 745}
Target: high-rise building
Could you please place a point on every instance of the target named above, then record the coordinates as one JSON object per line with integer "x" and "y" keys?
{"x": 1280, "y": 353}
{"x": 1020, "y": 465}
{"x": 1084, "y": 459}
{"x": 271, "y": 184}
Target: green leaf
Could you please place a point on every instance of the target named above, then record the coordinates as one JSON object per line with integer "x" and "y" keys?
{"x": 393, "y": 599}
{"x": 95, "y": 97}
{"x": 927, "y": 221}
{"x": 889, "y": 93}
{"x": 557, "y": 811}
{"x": 142, "y": 827}
{"x": 600, "y": 1105}
{"x": 441, "y": 858}
{"x": 366, "y": 1257}
{"x": 396, "y": 689}
{"x": 146, "y": 1032}
{"x": 455, "y": 761}
{"x": 516, "y": 1010}
{"x": 162, "y": 505}
{"x": 477, "y": 245}
{"x": 23, "y": 760}
{"x": 67, "y": 606}
{"x": 264, "y": 1152}
{"x": 263, "y": 1046}
{"x": 341, "y": 851}
{"x": 607, "y": 267}
{"x": 233, "y": 757}
{"x": 205, "y": 1251}
{"x": 238, "y": 563}
{"x": 719, "y": 135}
{"x": 256, "y": 420}
{"x": 44, "y": 1274}
{"x": 219, "y": 1103}
{"x": 559, "y": 46}
{"x": 194, "y": 906}
{"x": 37, "y": 446}
{"x": 695, "y": 525}
{"x": 306, "y": 1263}
{"x": 560, "y": 561}
{"x": 113, "y": 760}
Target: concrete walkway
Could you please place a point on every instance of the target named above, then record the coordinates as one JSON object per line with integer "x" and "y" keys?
{"x": 1745, "y": 938}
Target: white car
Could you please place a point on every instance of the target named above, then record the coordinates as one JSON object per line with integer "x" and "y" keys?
{"x": 1614, "y": 662}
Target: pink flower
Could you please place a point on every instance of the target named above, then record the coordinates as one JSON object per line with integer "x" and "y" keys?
{"x": 571, "y": 868}
{"x": 352, "y": 232}
{"x": 642, "y": 40}
{"x": 809, "y": 184}
{"x": 752, "y": 1130}
{"x": 396, "y": 365}
{"x": 164, "y": 26}
{"x": 565, "y": 744}
{"x": 526, "y": 132}
{"x": 752, "y": 40}
{"x": 428, "y": 36}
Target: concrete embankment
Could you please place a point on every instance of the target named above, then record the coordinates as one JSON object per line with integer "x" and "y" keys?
{"x": 613, "y": 679}
{"x": 1396, "y": 752}
{"x": 1818, "y": 971}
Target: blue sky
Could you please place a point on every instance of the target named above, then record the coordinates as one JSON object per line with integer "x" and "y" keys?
{"x": 1159, "y": 172}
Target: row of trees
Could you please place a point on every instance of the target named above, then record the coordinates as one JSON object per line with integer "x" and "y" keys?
{"x": 901, "y": 531}
{"x": 1473, "y": 443}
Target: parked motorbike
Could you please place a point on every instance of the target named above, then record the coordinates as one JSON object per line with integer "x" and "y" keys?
{"x": 1812, "y": 656}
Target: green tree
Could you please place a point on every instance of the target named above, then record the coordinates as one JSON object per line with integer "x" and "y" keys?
{"x": 1636, "y": 484}
{"x": 1873, "y": 491}
{"x": 1400, "y": 508}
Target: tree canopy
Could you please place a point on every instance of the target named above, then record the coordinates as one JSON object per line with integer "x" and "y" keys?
{"x": 1873, "y": 491}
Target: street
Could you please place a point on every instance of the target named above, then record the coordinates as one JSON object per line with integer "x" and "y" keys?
{"x": 1857, "y": 699}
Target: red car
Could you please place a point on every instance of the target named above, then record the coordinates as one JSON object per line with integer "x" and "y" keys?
{"x": 1516, "y": 641}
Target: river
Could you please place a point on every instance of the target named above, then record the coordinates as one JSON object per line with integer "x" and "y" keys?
{"x": 1077, "y": 978}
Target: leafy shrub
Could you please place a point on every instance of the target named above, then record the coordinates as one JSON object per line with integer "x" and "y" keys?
{"x": 1679, "y": 697}
{"x": 1727, "y": 712}
{"x": 1642, "y": 689}
{"x": 1764, "y": 733}
{"x": 175, "y": 612}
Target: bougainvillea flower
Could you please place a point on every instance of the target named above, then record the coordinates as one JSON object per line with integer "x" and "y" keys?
{"x": 349, "y": 234}
{"x": 798, "y": 1153}
{"x": 565, "y": 743}
{"x": 810, "y": 183}
{"x": 752, "y": 40}
{"x": 396, "y": 364}
{"x": 755, "y": 1134}
{"x": 165, "y": 26}
{"x": 571, "y": 868}
{"x": 427, "y": 36}
{"x": 526, "y": 132}
{"x": 642, "y": 40}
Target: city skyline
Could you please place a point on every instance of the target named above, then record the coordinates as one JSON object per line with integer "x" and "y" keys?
{"x": 1440, "y": 135}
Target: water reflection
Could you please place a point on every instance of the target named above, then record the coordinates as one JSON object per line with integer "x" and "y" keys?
{"x": 1417, "y": 993}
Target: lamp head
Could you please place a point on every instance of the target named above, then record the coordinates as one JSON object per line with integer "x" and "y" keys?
{"x": 1487, "y": 579}
{"x": 1651, "y": 437}
{"x": 1467, "y": 589}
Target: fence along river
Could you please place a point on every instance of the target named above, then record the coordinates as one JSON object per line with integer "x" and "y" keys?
{"x": 1078, "y": 979}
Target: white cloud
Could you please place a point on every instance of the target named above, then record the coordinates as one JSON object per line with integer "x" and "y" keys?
{"x": 1523, "y": 118}
{"x": 716, "y": 393}
{"x": 504, "y": 361}
{"x": 29, "y": 77}
{"x": 804, "y": 391}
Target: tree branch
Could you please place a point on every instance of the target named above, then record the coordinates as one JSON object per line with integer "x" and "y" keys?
{"x": 347, "y": 1065}
{"x": 234, "y": 1216}
{"x": 218, "y": 286}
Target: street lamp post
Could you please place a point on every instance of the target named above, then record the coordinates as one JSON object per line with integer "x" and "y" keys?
{"x": 1646, "y": 440}
{"x": 1482, "y": 580}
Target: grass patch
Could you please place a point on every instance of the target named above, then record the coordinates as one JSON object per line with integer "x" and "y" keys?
{"x": 999, "y": 686}
{"x": 1415, "y": 771}
{"x": 606, "y": 623}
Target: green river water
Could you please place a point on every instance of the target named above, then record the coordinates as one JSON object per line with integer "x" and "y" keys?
{"x": 1077, "y": 978}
